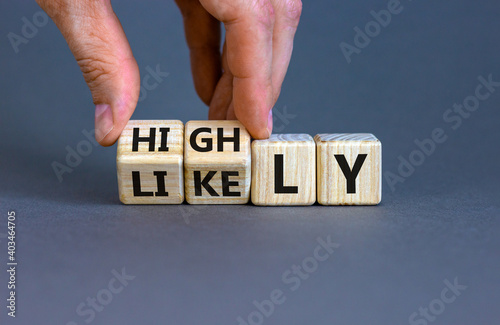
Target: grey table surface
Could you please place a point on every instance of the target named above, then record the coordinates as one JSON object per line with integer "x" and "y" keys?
{"x": 215, "y": 264}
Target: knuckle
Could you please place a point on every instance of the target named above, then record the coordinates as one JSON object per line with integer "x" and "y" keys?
{"x": 292, "y": 11}
{"x": 96, "y": 72}
{"x": 263, "y": 12}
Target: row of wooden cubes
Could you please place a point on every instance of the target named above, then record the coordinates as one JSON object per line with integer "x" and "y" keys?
{"x": 216, "y": 162}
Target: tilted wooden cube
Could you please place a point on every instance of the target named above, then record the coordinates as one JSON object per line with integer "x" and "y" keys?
{"x": 284, "y": 170}
{"x": 217, "y": 162}
{"x": 349, "y": 169}
{"x": 149, "y": 162}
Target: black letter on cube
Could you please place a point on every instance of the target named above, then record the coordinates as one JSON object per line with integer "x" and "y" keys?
{"x": 235, "y": 139}
{"x": 226, "y": 183}
{"x": 195, "y": 146}
{"x": 198, "y": 183}
{"x": 279, "y": 188}
{"x": 160, "y": 179}
{"x": 349, "y": 174}
{"x": 151, "y": 139}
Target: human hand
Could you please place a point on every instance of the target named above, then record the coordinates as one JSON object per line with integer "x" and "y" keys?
{"x": 243, "y": 83}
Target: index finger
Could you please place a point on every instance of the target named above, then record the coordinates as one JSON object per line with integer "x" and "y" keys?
{"x": 249, "y": 36}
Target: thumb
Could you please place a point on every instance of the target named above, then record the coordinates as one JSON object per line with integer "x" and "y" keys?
{"x": 97, "y": 40}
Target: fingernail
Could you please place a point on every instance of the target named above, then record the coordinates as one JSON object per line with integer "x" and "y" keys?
{"x": 270, "y": 122}
{"x": 103, "y": 121}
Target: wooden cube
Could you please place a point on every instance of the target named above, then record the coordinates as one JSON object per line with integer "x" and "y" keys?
{"x": 284, "y": 170}
{"x": 217, "y": 162}
{"x": 349, "y": 169}
{"x": 149, "y": 162}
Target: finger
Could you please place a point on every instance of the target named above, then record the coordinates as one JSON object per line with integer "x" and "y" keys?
{"x": 222, "y": 98}
{"x": 231, "y": 115}
{"x": 203, "y": 39}
{"x": 249, "y": 30}
{"x": 96, "y": 39}
{"x": 287, "y": 19}
{"x": 223, "y": 95}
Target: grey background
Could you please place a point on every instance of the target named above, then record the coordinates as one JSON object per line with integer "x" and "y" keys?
{"x": 207, "y": 264}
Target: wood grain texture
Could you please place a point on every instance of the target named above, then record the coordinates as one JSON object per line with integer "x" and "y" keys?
{"x": 147, "y": 162}
{"x": 220, "y": 161}
{"x": 332, "y": 183}
{"x": 298, "y": 152}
